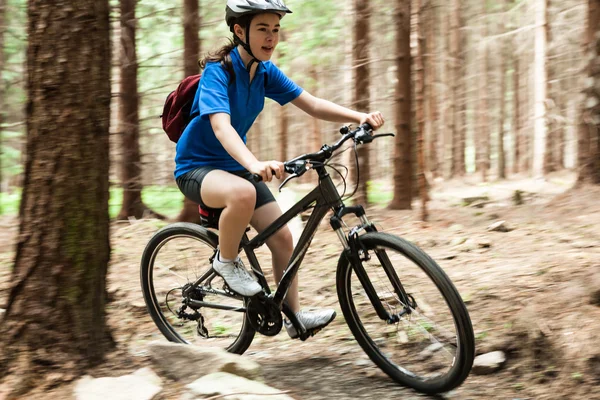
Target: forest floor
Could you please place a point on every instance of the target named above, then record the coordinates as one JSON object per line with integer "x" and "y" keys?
{"x": 531, "y": 292}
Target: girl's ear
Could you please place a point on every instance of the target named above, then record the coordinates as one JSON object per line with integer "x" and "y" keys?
{"x": 240, "y": 32}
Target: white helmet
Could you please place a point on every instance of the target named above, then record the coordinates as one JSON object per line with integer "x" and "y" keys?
{"x": 238, "y": 8}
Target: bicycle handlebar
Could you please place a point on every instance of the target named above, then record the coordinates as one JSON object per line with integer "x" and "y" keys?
{"x": 295, "y": 166}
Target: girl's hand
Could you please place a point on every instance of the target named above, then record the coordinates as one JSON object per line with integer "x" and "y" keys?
{"x": 375, "y": 119}
{"x": 267, "y": 169}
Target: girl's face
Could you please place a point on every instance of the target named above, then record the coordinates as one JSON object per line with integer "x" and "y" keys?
{"x": 264, "y": 35}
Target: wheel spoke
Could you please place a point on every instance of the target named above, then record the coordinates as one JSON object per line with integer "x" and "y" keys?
{"x": 423, "y": 349}
{"x": 208, "y": 315}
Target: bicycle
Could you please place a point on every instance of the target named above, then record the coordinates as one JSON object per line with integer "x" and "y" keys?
{"x": 420, "y": 341}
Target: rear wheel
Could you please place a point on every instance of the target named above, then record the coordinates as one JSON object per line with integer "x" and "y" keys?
{"x": 431, "y": 345}
{"x": 210, "y": 314}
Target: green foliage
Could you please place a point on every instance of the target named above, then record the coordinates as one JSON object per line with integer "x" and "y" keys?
{"x": 165, "y": 200}
{"x": 9, "y": 202}
{"x": 379, "y": 193}
{"x": 313, "y": 26}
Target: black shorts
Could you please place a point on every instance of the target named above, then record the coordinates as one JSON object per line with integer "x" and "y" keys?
{"x": 191, "y": 182}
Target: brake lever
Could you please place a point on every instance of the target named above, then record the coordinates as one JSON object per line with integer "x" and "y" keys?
{"x": 382, "y": 135}
{"x": 289, "y": 178}
{"x": 369, "y": 138}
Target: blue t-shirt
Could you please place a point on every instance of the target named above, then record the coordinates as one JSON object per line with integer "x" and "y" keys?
{"x": 242, "y": 100}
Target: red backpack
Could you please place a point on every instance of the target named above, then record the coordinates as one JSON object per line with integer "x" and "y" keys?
{"x": 176, "y": 111}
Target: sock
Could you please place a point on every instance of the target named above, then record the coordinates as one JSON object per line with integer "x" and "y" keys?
{"x": 223, "y": 260}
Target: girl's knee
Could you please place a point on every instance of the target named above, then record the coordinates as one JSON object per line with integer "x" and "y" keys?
{"x": 243, "y": 195}
{"x": 282, "y": 241}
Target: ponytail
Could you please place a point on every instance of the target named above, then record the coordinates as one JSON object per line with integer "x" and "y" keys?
{"x": 222, "y": 56}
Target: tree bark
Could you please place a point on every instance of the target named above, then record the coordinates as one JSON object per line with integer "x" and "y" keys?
{"x": 55, "y": 315}
{"x": 516, "y": 125}
{"x": 502, "y": 84}
{"x": 129, "y": 124}
{"x": 2, "y": 89}
{"x": 431, "y": 89}
{"x": 191, "y": 54}
{"x": 550, "y": 155}
{"x": 403, "y": 176}
{"x": 461, "y": 117}
{"x": 483, "y": 133}
{"x": 589, "y": 125}
{"x": 453, "y": 78}
{"x": 539, "y": 144}
{"x": 420, "y": 87}
{"x": 361, "y": 89}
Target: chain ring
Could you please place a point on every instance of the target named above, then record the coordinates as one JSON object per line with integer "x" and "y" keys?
{"x": 264, "y": 316}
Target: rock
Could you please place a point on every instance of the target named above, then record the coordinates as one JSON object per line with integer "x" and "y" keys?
{"x": 484, "y": 243}
{"x": 456, "y": 228}
{"x": 518, "y": 198}
{"x": 429, "y": 351}
{"x": 2, "y": 311}
{"x": 143, "y": 384}
{"x": 470, "y": 200}
{"x": 469, "y": 245}
{"x": 489, "y": 363}
{"x": 592, "y": 283}
{"x": 187, "y": 363}
{"x": 499, "y": 226}
{"x": 232, "y": 387}
{"x": 457, "y": 241}
{"x": 363, "y": 363}
{"x": 583, "y": 244}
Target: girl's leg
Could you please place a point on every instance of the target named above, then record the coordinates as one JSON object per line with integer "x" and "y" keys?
{"x": 237, "y": 196}
{"x": 281, "y": 246}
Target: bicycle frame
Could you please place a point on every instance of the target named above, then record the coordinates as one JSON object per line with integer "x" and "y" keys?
{"x": 324, "y": 197}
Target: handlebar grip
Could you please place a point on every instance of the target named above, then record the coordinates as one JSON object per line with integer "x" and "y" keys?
{"x": 258, "y": 178}
{"x": 366, "y": 126}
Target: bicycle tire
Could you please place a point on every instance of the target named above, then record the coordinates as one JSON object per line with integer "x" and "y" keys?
{"x": 154, "y": 303}
{"x": 462, "y": 360}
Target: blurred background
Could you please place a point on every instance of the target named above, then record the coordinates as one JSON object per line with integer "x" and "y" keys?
{"x": 501, "y": 86}
{"x": 494, "y": 172}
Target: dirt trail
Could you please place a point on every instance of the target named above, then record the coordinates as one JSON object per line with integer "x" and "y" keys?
{"x": 529, "y": 292}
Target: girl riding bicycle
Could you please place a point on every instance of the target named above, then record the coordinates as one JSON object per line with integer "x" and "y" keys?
{"x": 215, "y": 168}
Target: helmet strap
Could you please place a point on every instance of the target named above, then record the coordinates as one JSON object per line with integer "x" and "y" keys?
{"x": 246, "y": 46}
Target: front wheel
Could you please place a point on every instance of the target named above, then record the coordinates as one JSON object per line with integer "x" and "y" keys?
{"x": 185, "y": 310}
{"x": 428, "y": 343}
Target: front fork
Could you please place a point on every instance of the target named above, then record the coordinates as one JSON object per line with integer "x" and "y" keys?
{"x": 356, "y": 252}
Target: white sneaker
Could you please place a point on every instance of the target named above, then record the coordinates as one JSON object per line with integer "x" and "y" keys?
{"x": 313, "y": 321}
{"x": 236, "y": 276}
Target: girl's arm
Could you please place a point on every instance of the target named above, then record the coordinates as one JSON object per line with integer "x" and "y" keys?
{"x": 235, "y": 146}
{"x": 328, "y": 111}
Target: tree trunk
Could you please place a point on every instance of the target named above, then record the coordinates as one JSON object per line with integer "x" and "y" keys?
{"x": 539, "y": 144}
{"x": 420, "y": 87}
{"x": 516, "y": 125}
{"x": 453, "y": 78}
{"x": 361, "y": 88}
{"x": 191, "y": 37}
{"x": 432, "y": 91}
{"x": 191, "y": 54}
{"x": 483, "y": 133}
{"x": 129, "y": 124}
{"x": 55, "y": 315}
{"x": 403, "y": 145}
{"x": 2, "y": 91}
{"x": 589, "y": 126}
{"x": 502, "y": 84}
{"x": 461, "y": 117}
{"x": 550, "y": 161}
